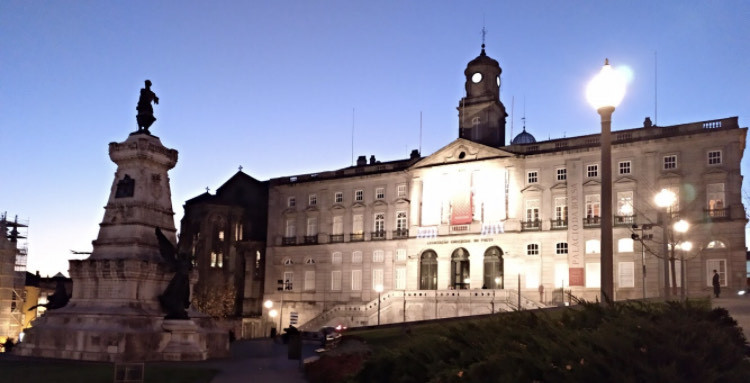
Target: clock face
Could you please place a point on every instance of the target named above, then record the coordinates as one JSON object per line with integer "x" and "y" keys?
{"x": 476, "y": 77}
{"x": 498, "y": 80}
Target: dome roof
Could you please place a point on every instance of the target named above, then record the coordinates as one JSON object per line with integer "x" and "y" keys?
{"x": 483, "y": 59}
{"x": 523, "y": 138}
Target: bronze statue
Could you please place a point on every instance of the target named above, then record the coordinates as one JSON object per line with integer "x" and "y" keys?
{"x": 145, "y": 115}
{"x": 176, "y": 298}
{"x": 58, "y": 299}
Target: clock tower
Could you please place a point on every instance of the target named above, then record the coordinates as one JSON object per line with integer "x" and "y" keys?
{"x": 481, "y": 115}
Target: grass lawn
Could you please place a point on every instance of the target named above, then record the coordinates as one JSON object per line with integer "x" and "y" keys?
{"x": 53, "y": 371}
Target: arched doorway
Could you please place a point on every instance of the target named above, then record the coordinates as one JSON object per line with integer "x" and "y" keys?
{"x": 428, "y": 271}
{"x": 493, "y": 268}
{"x": 460, "y": 269}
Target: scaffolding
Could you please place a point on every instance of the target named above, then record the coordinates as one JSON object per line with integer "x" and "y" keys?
{"x": 13, "y": 255}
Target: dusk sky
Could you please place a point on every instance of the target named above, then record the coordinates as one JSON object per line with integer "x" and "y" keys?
{"x": 272, "y": 85}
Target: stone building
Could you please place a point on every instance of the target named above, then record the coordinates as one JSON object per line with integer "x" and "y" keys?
{"x": 480, "y": 226}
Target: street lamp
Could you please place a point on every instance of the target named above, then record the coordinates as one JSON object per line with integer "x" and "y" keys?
{"x": 604, "y": 93}
{"x": 268, "y": 305}
{"x": 665, "y": 199}
{"x": 681, "y": 227}
{"x": 685, "y": 247}
{"x": 379, "y": 289}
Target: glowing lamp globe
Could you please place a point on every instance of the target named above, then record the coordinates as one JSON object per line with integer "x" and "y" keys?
{"x": 607, "y": 89}
{"x": 665, "y": 198}
{"x": 686, "y": 246}
{"x": 379, "y": 288}
{"x": 681, "y": 226}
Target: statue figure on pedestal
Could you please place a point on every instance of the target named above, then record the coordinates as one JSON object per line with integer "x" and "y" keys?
{"x": 176, "y": 297}
{"x": 145, "y": 116}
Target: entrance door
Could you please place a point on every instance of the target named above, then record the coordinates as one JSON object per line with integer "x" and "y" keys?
{"x": 428, "y": 271}
{"x": 493, "y": 268}
{"x": 460, "y": 269}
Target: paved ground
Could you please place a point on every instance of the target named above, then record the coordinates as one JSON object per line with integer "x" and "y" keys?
{"x": 261, "y": 360}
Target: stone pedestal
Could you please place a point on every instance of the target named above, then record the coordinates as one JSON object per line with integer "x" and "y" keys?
{"x": 114, "y": 313}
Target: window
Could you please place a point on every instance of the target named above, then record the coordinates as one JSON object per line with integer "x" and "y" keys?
{"x": 309, "y": 261}
{"x": 221, "y": 235}
{"x": 238, "y": 229}
{"x": 359, "y": 195}
{"x": 377, "y": 278}
{"x": 380, "y": 193}
{"x": 670, "y": 162}
{"x": 357, "y": 224}
{"x": 356, "y": 280}
{"x": 400, "y": 278}
{"x": 312, "y": 226}
{"x": 626, "y": 274}
{"x": 562, "y": 174}
{"x": 288, "y": 280}
{"x": 356, "y": 257}
{"x": 561, "y": 208}
{"x": 561, "y": 275}
{"x": 291, "y": 228}
{"x": 625, "y": 245}
{"x": 625, "y": 204}
{"x": 624, "y": 167}
{"x": 532, "y": 249}
{"x": 291, "y": 202}
{"x": 378, "y": 256}
{"x": 336, "y": 280}
{"x": 309, "y": 280}
{"x": 401, "y": 191}
{"x": 720, "y": 265}
{"x": 288, "y": 262}
{"x": 714, "y": 157}
{"x": 592, "y": 170}
{"x": 379, "y": 222}
{"x": 715, "y": 199}
{"x": 532, "y": 210}
{"x": 338, "y": 197}
{"x": 593, "y": 275}
{"x": 216, "y": 260}
{"x": 561, "y": 248}
{"x": 532, "y": 177}
{"x": 531, "y": 272}
{"x": 336, "y": 258}
{"x": 401, "y": 221}
{"x": 592, "y": 206}
{"x": 593, "y": 246}
{"x": 312, "y": 199}
{"x": 716, "y": 245}
{"x": 400, "y": 254}
{"x": 338, "y": 225}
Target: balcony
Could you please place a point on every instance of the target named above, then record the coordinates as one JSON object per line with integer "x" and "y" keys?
{"x": 377, "y": 235}
{"x": 288, "y": 241}
{"x": 311, "y": 239}
{"x": 531, "y": 225}
{"x": 591, "y": 221}
{"x": 337, "y": 238}
{"x": 357, "y": 237}
{"x": 559, "y": 224}
{"x": 624, "y": 220}
{"x": 716, "y": 214}
{"x": 400, "y": 233}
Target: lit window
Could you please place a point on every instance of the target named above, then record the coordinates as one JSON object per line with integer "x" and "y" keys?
{"x": 359, "y": 195}
{"x": 592, "y": 206}
{"x": 714, "y": 157}
{"x": 626, "y": 274}
{"x": 380, "y": 193}
{"x": 312, "y": 200}
{"x": 336, "y": 280}
{"x": 593, "y": 274}
{"x": 562, "y": 275}
{"x": 288, "y": 280}
{"x": 532, "y": 210}
{"x": 593, "y": 246}
{"x": 400, "y": 254}
{"x": 401, "y": 191}
{"x": 720, "y": 265}
{"x": 670, "y": 162}
{"x": 561, "y": 208}
{"x": 715, "y": 199}
{"x": 562, "y": 174}
{"x": 379, "y": 222}
{"x": 592, "y": 171}
{"x": 309, "y": 280}
{"x": 532, "y": 249}
{"x": 377, "y": 278}
{"x": 221, "y": 235}
{"x": 338, "y": 197}
{"x": 291, "y": 202}
{"x": 625, "y": 204}
{"x": 561, "y": 248}
{"x": 400, "y": 278}
{"x": 624, "y": 167}
{"x": 356, "y": 280}
{"x": 336, "y": 258}
{"x": 378, "y": 256}
{"x": 625, "y": 245}
{"x": 533, "y": 177}
{"x": 357, "y": 257}
{"x": 213, "y": 259}
{"x": 357, "y": 224}
{"x": 291, "y": 228}
{"x": 716, "y": 245}
{"x": 338, "y": 225}
{"x": 312, "y": 226}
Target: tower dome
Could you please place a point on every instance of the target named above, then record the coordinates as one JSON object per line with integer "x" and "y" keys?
{"x": 523, "y": 138}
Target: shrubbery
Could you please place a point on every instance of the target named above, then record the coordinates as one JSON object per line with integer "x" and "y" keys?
{"x": 625, "y": 342}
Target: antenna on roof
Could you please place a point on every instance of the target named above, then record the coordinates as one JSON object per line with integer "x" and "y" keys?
{"x": 512, "y": 106}
{"x": 352, "y": 136}
{"x": 655, "y": 94}
{"x": 484, "y": 32}
{"x": 420, "y": 132}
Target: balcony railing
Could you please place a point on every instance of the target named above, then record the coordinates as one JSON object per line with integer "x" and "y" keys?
{"x": 591, "y": 221}
{"x": 624, "y": 220}
{"x": 401, "y": 233}
{"x": 357, "y": 237}
{"x": 377, "y": 235}
{"x": 557, "y": 224}
{"x": 286, "y": 241}
{"x": 337, "y": 238}
{"x": 531, "y": 225}
{"x": 311, "y": 239}
{"x": 716, "y": 214}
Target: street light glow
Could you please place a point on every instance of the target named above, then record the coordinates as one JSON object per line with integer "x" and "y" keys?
{"x": 273, "y": 313}
{"x": 607, "y": 89}
{"x": 268, "y": 304}
{"x": 379, "y": 288}
{"x": 686, "y": 246}
{"x": 665, "y": 198}
{"x": 681, "y": 226}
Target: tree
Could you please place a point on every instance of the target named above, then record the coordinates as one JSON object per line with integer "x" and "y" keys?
{"x": 216, "y": 301}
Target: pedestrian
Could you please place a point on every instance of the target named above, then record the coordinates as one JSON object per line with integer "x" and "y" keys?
{"x": 717, "y": 284}
{"x": 541, "y": 293}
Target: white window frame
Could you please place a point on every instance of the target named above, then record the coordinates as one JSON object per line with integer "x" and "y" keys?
{"x": 719, "y": 265}
{"x": 625, "y": 167}
{"x": 312, "y": 226}
{"x": 401, "y": 255}
{"x": 338, "y": 197}
{"x": 401, "y": 191}
{"x": 356, "y": 256}
{"x": 380, "y": 193}
{"x": 312, "y": 199}
{"x": 377, "y": 278}
{"x": 358, "y": 224}
{"x": 336, "y": 280}
{"x": 592, "y": 170}
{"x": 337, "y": 227}
{"x": 593, "y": 205}
{"x": 669, "y": 162}
{"x": 714, "y": 157}
{"x": 561, "y": 208}
{"x": 532, "y": 176}
{"x": 533, "y": 206}
{"x": 400, "y": 278}
{"x": 562, "y": 174}
{"x": 401, "y": 220}
{"x": 309, "y": 280}
{"x": 378, "y": 222}
{"x": 291, "y": 202}
{"x": 356, "y": 280}
{"x": 359, "y": 195}
{"x": 336, "y": 258}
{"x": 378, "y": 256}
{"x": 626, "y": 274}
{"x": 288, "y": 276}
{"x": 291, "y": 228}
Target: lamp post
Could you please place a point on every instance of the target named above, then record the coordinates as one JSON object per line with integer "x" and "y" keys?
{"x": 604, "y": 93}
{"x": 665, "y": 199}
{"x": 643, "y": 236}
{"x": 681, "y": 227}
{"x": 379, "y": 289}
{"x": 268, "y": 305}
{"x": 685, "y": 247}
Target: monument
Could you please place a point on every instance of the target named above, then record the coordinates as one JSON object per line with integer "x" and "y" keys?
{"x": 130, "y": 295}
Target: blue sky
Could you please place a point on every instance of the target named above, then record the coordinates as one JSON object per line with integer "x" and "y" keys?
{"x": 271, "y": 86}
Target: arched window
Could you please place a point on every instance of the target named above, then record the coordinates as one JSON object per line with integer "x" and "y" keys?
{"x": 428, "y": 271}
{"x": 716, "y": 245}
{"x": 493, "y": 268}
{"x": 625, "y": 245}
{"x": 593, "y": 246}
{"x": 460, "y": 269}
